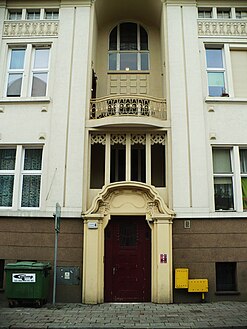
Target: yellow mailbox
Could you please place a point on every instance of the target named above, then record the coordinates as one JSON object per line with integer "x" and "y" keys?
{"x": 181, "y": 278}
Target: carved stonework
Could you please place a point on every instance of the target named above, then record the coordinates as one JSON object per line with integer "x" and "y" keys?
{"x": 129, "y": 198}
{"x": 222, "y": 28}
{"x": 98, "y": 139}
{"x": 27, "y": 28}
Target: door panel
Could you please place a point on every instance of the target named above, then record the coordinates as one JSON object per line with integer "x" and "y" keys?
{"x": 127, "y": 259}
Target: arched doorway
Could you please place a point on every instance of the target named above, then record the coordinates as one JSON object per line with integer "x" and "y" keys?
{"x": 126, "y": 203}
{"x": 127, "y": 261}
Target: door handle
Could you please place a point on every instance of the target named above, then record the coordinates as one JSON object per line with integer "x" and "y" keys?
{"x": 113, "y": 270}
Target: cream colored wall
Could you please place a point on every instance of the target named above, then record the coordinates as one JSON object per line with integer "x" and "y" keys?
{"x": 57, "y": 121}
{"x": 189, "y": 156}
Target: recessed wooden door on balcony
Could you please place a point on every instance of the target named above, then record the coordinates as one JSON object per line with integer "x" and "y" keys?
{"x": 127, "y": 260}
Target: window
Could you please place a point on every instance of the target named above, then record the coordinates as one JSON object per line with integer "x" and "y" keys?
{"x": 226, "y": 276}
{"x": 15, "y": 14}
{"x": 223, "y": 13}
{"x": 243, "y": 171}
{"x": 241, "y": 13}
{"x": 118, "y": 162}
{"x": 204, "y": 12}
{"x": 40, "y": 71}
{"x": 215, "y": 72}
{"x": 51, "y": 14}
{"x": 223, "y": 179}
{"x": 127, "y": 157}
{"x": 18, "y": 82}
{"x": 7, "y": 174}
{"x": 97, "y": 178}
{"x": 239, "y": 71}
{"x": 16, "y": 70}
{"x": 128, "y": 48}
{"x": 158, "y": 165}
{"x": 31, "y": 177}
{"x": 33, "y": 14}
{"x": 26, "y": 179}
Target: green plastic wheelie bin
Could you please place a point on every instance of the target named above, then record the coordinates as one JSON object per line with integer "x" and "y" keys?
{"x": 27, "y": 282}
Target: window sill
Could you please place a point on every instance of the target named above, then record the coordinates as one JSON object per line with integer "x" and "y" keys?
{"x": 223, "y": 293}
{"x": 6, "y": 100}
{"x": 225, "y": 100}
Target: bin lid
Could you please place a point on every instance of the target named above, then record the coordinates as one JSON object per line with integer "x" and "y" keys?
{"x": 27, "y": 266}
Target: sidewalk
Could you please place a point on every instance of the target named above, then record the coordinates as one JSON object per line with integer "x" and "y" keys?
{"x": 122, "y": 316}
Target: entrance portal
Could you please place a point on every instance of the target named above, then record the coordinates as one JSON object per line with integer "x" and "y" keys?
{"x": 127, "y": 267}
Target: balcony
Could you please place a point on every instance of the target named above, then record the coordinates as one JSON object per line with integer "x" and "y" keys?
{"x": 121, "y": 105}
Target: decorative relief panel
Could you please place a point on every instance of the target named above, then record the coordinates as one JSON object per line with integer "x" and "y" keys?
{"x": 138, "y": 139}
{"x": 26, "y": 29}
{"x": 218, "y": 28}
{"x": 118, "y": 139}
{"x": 158, "y": 139}
{"x": 98, "y": 139}
{"x": 131, "y": 84}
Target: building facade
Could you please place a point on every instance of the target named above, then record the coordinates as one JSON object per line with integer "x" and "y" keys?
{"x": 131, "y": 115}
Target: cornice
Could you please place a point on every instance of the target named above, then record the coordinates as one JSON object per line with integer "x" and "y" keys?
{"x": 74, "y": 3}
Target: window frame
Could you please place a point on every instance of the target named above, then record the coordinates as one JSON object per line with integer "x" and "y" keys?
{"x": 11, "y": 172}
{"x": 19, "y": 173}
{"x": 128, "y": 140}
{"x": 216, "y": 69}
{"x": 28, "y": 69}
{"x": 225, "y": 175}
{"x": 138, "y": 52}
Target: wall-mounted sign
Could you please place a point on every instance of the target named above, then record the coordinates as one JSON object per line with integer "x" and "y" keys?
{"x": 92, "y": 225}
{"x": 24, "y": 277}
{"x": 163, "y": 258}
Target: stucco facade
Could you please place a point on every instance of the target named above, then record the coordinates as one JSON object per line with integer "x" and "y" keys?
{"x": 128, "y": 111}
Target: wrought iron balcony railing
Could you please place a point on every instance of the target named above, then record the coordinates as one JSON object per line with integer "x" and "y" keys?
{"x": 121, "y": 105}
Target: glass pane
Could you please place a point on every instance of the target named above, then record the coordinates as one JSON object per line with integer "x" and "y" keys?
{"x": 15, "y": 15}
{"x": 6, "y": 190}
{"x": 113, "y": 39}
{"x": 97, "y": 172}
{"x": 33, "y": 14}
{"x": 118, "y": 161}
{"x": 223, "y": 13}
{"x": 127, "y": 234}
{"x": 205, "y": 13}
{"x": 244, "y": 192}
{"x": 216, "y": 83}
{"x": 113, "y": 61}
{"x": 158, "y": 167}
{"x": 17, "y": 59}
{"x": 51, "y": 14}
{"x": 39, "y": 84}
{"x": 7, "y": 159}
{"x": 222, "y": 161}
{"x": 128, "y": 36}
{"x": 30, "y": 191}
{"x": 144, "y": 61}
{"x": 243, "y": 161}
{"x": 14, "y": 84}
{"x": 223, "y": 193}
{"x": 214, "y": 58}
{"x": 128, "y": 61}
{"x": 143, "y": 39}
{"x": 138, "y": 163}
{"x": 41, "y": 59}
{"x": 226, "y": 276}
{"x": 33, "y": 159}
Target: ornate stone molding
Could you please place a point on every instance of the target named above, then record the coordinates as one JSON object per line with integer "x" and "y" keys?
{"x": 222, "y": 28}
{"x": 28, "y": 28}
{"x": 129, "y": 196}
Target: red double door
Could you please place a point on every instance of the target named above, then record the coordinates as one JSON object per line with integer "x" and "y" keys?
{"x": 127, "y": 270}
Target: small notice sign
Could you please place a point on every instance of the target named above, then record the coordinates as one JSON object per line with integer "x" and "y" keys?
{"x": 163, "y": 258}
{"x": 24, "y": 277}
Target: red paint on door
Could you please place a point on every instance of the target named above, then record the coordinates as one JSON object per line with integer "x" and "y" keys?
{"x": 127, "y": 260}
